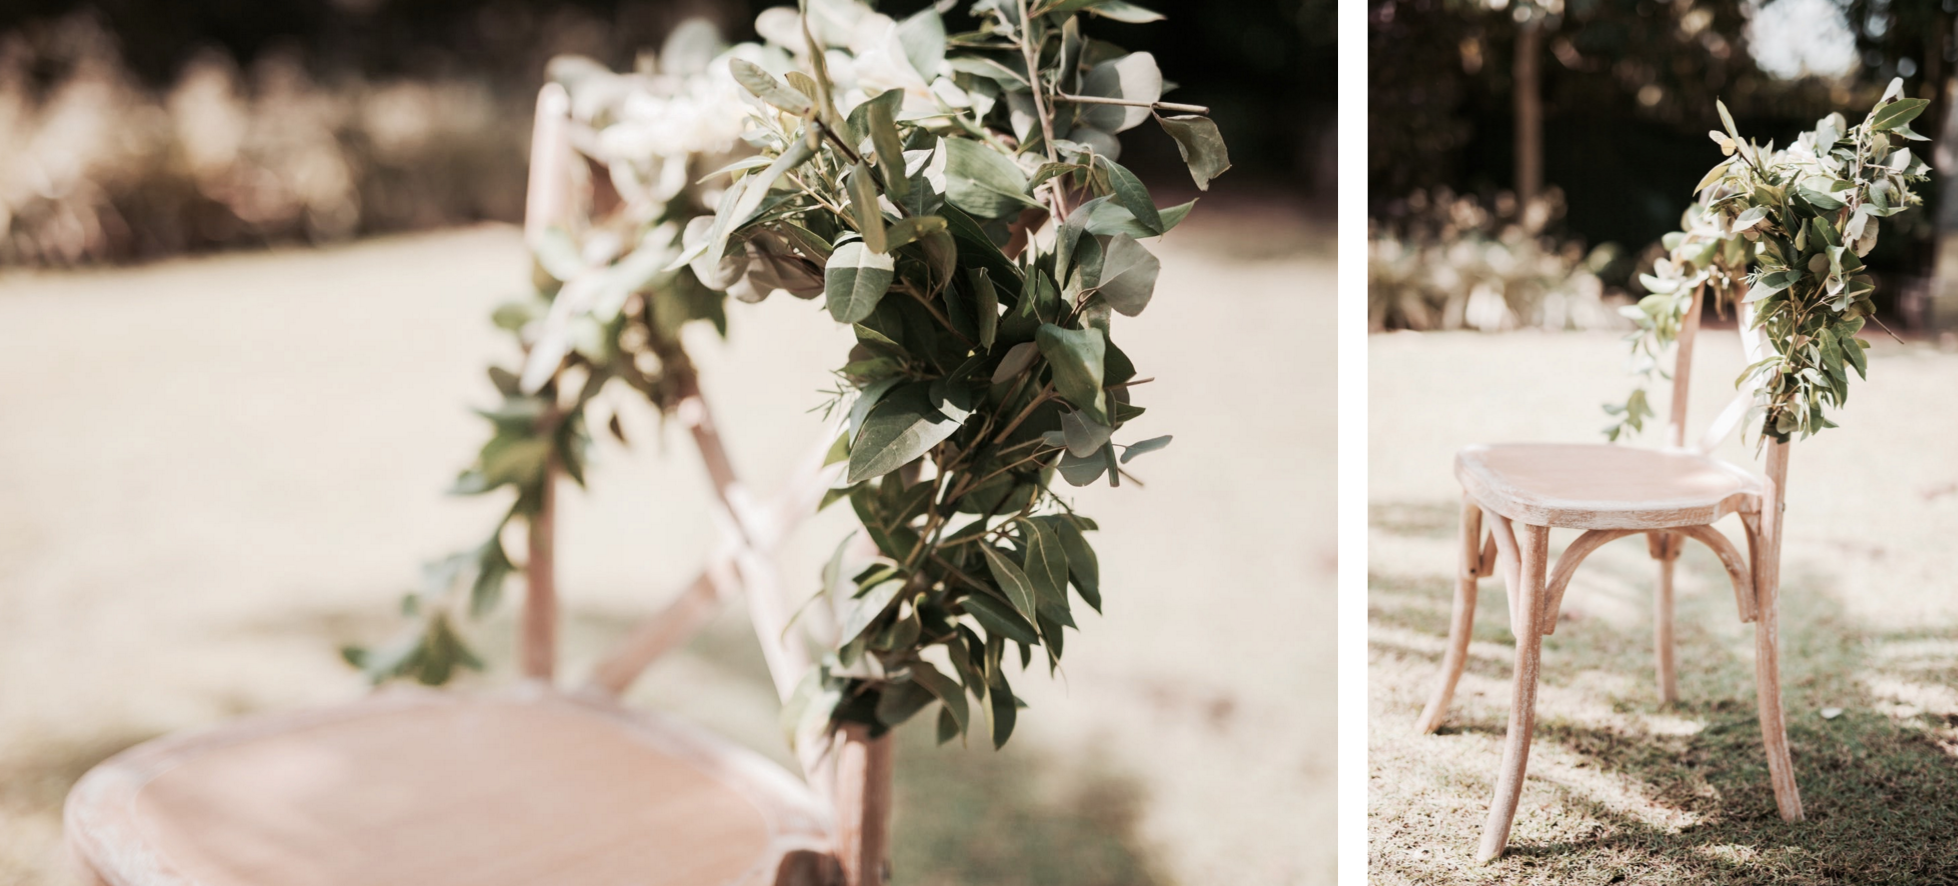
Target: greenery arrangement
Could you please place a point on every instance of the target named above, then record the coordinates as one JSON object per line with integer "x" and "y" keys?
{"x": 1792, "y": 226}
{"x": 605, "y": 306}
{"x": 954, "y": 197}
{"x": 1439, "y": 260}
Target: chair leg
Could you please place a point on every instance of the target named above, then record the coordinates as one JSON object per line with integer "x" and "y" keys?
{"x": 1461, "y": 624}
{"x": 1667, "y": 547}
{"x": 1767, "y": 638}
{"x": 1533, "y": 549}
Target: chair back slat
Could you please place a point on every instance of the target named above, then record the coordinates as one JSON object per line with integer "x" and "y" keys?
{"x": 548, "y": 200}
{"x": 1682, "y": 373}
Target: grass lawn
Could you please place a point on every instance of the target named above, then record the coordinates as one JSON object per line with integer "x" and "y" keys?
{"x": 1621, "y": 789}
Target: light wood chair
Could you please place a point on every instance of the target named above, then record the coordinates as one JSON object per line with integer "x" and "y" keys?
{"x": 542, "y": 784}
{"x": 1519, "y": 492}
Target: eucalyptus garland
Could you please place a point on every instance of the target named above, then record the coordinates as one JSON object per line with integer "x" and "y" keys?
{"x": 1793, "y": 226}
{"x": 604, "y": 306}
{"x": 962, "y": 194}
{"x": 956, "y": 198}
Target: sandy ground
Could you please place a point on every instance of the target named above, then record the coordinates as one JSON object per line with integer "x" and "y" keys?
{"x": 1619, "y": 786}
{"x": 215, "y": 471}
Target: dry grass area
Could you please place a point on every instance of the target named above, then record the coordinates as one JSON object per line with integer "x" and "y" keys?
{"x": 1620, "y": 789}
{"x": 214, "y": 471}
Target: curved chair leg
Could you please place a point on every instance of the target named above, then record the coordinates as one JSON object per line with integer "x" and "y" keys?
{"x": 1468, "y": 571}
{"x": 1533, "y": 549}
{"x": 1767, "y": 639}
{"x": 1665, "y": 549}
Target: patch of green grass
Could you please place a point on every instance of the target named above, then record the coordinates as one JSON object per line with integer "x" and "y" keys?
{"x": 1623, "y": 790}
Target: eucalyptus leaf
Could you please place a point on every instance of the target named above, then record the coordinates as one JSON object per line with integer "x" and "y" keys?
{"x": 900, "y": 428}
{"x": 1076, "y": 356}
{"x": 983, "y": 181}
{"x": 1201, "y": 145}
{"x": 1128, "y": 275}
{"x": 855, "y": 280}
{"x": 1133, "y": 77}
{"x": 1012, "y": 580}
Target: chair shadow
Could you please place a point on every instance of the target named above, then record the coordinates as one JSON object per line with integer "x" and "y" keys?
{"x": 1878, "y": 782}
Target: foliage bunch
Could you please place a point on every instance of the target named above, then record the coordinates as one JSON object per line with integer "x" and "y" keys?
{"x": 956, "y": 199}
{"x": 606, "y": 305}
{"x": 961, "y": 196}
{"x": 1793, "y": 225}
{"x": 1438, "y": 260}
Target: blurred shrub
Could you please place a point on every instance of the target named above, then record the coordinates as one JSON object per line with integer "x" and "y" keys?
{"x": 94, "y": 167}
{"x": 1439, "y": 260}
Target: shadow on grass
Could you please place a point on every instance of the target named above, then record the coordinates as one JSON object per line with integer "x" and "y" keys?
{"x": 1879, "y": 783}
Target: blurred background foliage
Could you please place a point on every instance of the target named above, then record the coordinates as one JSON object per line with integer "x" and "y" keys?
{"x": 1624, "y": 92}
{"x": 133, "y": 129}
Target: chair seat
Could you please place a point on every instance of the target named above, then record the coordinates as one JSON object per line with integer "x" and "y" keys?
{"x": 1600, "y": 486}
{"x": 423, "y": 788}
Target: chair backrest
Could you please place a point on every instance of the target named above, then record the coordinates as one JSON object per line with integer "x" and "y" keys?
{"x": 1753, "y": 343}
{"x": 557, "y": 195}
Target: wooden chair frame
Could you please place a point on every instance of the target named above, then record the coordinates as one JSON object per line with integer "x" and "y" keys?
{"x": 831, "y": 826}
{"x": 852, "y": 772}
{"x": 1501, "y": 531}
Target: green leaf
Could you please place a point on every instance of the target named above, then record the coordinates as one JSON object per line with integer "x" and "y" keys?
{"x": 1018, "y": 588}
{"x": 1897, "y": 113}
{"x": 740, "y": 203}
{"x": 1082, "y": 565}
{"x": 998, "y": 618}
{"x": 1083, "y": 436}
{"x": 1076, "y": 356}
{"x": 1133, "y": 77}
{"x": 986, "y": 306}
{"x": 983, "y": 181}
{"x": 1726, "y": 119}
{"x": 902, "y": 427}
{"x": 870, "y": 217}
{"x": 890, "y": 150}
{"x": 898, "y": 702}
{"x": 910, "y": 230}
{"x": 948, "y": 691}
{"x": 1128, "y": 275}
{"x": 855, "y": 280}
{"x": 1201, "y": 145}
{"x": 867, "y": 606}
{"x": 1004, "y": 710}
{"x": 1133, "y": 196}
{"x": 948, "y": 727}
{"x": 1046, "y": 567}
{"x": 1081, "y": 471}
{"x": 1109, "y": 219}
{"x": 923, "y": 38}
{"x": 1143, "y": 447}
{"x": 757, "y": 80}
{"x": 493, "y": 566}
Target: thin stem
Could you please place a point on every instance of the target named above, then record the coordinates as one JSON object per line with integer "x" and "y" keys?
{"x": 1040, "y": 107}
{"x": 1126, "y": 103}
{"x": 851, "y": 153}
{"x": 1046, "y": 393}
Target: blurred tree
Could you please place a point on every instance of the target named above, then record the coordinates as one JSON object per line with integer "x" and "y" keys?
{"x": 1616, "y": 108}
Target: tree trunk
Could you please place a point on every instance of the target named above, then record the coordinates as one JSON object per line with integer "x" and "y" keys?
{"x": 1528, "y": 94}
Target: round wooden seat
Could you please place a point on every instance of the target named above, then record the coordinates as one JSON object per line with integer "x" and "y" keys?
{"x": 427, "y": 789}
{"x": 1600, "y": 486}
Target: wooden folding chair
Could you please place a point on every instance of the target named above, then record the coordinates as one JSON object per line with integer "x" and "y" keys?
{"x": 542, "y": 784}
{"x": 1523, "y": 490}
